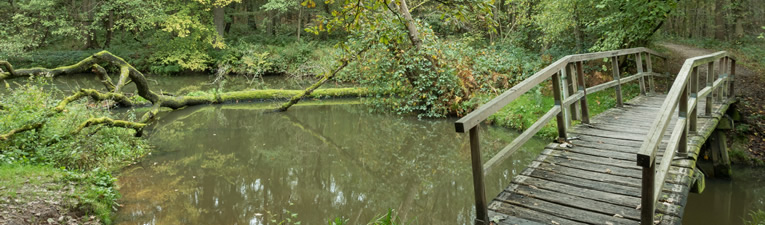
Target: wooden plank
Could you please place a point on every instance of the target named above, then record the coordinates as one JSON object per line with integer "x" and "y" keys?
{"x": 578, "y": 202}
{"x": 562, "y": 211}
{"x": 518, "y": 142}
{"x": 623, "y": 196}
{"x": 525, "y": 213}
{"x": 504, "y": 219}
{"x": 605, "y": 161}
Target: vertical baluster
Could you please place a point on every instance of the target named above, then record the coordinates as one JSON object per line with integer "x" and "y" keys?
{"x": 649, "y": 68}
{"x": 682, "y": 112}
{"x": 572, "y": 89}
{"x": 615, "y": 67}
{"x": 558, "y": 101}
{"x": 482, "y": 216}
{"x": 647, "y": 205}
{"x": 720, "y": 71}
{"x": 565, "y": 92}
{"x": 694, "y": 97}
{"x": 639, "y": 63}
{"x": 710, "y": 81}
{"x": 732, "y": 79}
{"x": 580, "y": 78}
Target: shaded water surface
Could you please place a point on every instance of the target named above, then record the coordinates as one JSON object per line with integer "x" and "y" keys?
{"x": 728, "y": 201}
{"x": 234, "y": 164}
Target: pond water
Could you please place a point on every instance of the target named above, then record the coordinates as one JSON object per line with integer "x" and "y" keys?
{"x": 237, "y": 164}
{"x": 728, "y": 201}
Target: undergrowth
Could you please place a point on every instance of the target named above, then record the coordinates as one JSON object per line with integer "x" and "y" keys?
{"x": 85, "y": 159}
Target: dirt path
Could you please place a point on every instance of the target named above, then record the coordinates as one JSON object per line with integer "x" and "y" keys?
{"x": 750, "y": 89}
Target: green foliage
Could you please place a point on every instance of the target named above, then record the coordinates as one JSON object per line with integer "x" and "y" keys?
{"x": 246, "y": 59}
{"x": 88, "y": 157}
{"x": 756, "y": 218}
{"x": 104, "y": 147}
{"x": 97, "y": 192}
{"x": 621, "y": 24}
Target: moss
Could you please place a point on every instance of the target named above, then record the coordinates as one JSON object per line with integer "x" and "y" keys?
{"x": 271, "y": 94}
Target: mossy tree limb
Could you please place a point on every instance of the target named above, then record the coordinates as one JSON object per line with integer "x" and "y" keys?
{"x": 109, "y": 122}
{"x": 103, "y": 77}
{"x": 295, "y": 99}
{"x": 27, "y": 127}
{"x": 95, "y": 95}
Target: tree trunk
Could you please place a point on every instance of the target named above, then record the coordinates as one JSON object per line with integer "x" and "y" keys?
{"x": 299, "y": 20}
{"x": 272, "y": 28}
{"x": 90, "y": 37}
{"x": 738, "y": 18}
{"x": 219, "y": 19}
{"x": 719, "y": 20}
{"x": 577, "y": 31}
{"x": 109, "y": 25}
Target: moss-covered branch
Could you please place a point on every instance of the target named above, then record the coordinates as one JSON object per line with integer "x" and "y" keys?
{"x": 295, "y": 99}
{"x": 109, "y": 122}
{"x": 103, "y": 77}
{"x": 95, "y": 95}
{"x": 27, "y": 127}
{"x": 129, "y": 74}
{"x": 8, "y": 67}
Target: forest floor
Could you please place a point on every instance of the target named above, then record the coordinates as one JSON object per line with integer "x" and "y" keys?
{"x": 39, "y": 195}
{"x": 750, "y": 90}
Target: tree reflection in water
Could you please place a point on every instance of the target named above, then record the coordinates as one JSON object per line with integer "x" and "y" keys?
{"x": 235, "y": 164}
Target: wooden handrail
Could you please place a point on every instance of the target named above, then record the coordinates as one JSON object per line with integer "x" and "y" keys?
{"x": 565, "y": 98}
{"x": 682, "y": 98}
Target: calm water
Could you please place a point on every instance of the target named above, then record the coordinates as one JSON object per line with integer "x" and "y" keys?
{"x": 728, "y": 201}
{"x": 235, "y": 164}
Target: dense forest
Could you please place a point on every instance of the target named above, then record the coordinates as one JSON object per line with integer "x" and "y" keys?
{"x": 423, "y": 58}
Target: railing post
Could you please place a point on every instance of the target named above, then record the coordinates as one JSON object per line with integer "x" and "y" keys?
{"x": 639, "y": 62}
{"x": 720, "y": 71}
{"x": 615, "y": 67}
{"x": 710, "y": 81}
{"x": 566, "y": 93}
{"x": 649, "y": 68}
{"x": 558, "y": 101}
{"x": 694, "y": 97}
{"x": 724, "y": 75}
{"x": 731, "y": 79}
{"x": 647, "y": 205}
{"x": 572, "y": 89}
{"x": 481, "y": 210}
{"x": 580, "y": 78}
{"x": 682, "y": 112}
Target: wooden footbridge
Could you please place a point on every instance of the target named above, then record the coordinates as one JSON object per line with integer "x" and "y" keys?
{"x": 635, "y": 163}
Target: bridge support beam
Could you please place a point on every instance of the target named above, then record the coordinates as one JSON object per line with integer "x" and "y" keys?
{"x": 718, "y": 148}
{"x": 698, "y": 182}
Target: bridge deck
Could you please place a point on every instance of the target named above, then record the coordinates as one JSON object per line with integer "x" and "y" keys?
{"x": 598, "y": 181}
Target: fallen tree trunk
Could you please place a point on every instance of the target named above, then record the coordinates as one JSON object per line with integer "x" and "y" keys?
{"x": 128, "y": 74}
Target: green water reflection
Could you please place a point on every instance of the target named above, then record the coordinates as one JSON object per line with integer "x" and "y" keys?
{"x": 728, "y": 201}
{"x": 233, "y": 164}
